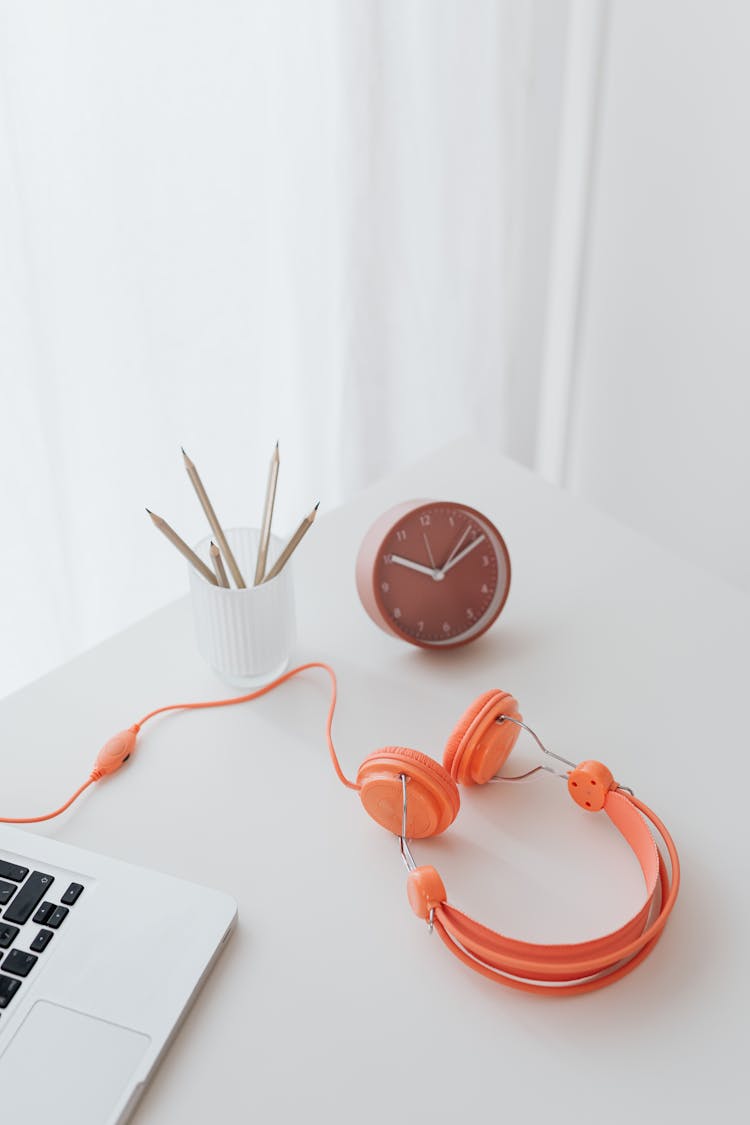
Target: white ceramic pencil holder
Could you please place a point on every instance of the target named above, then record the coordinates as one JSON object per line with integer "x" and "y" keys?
{"x": 245, "y": 635}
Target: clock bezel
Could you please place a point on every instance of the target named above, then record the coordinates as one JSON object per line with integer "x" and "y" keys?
{"x": 369, "y": 577}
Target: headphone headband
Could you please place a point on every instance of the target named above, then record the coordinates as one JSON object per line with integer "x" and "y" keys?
{"x": 535, "y": 962}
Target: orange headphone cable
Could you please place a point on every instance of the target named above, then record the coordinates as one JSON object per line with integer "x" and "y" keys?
{"x": 106, "y": 765}
{"x": 49, "y": 816}
{"x": 262, "y": 691}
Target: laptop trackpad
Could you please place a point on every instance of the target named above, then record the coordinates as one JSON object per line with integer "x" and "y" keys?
{"x": 67, "y": 1067}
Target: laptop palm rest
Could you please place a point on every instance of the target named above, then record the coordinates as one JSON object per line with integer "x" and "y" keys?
{"x": 68, "y": 1067}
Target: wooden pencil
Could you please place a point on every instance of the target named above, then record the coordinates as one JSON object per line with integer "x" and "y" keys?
{"x": 265, "y": 527}
{"x": 182, "y": 547}
{"x": 292, "y": 545}
{"x": 218, "y": 564}
{"x": 214, "y": 521}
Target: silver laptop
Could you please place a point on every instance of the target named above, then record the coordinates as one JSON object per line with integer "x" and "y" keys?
{"x": 99, "y": 962}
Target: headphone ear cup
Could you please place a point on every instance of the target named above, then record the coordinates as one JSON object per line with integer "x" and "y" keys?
{"x": 479, "y": 745}
{"x": 432, "y": 797}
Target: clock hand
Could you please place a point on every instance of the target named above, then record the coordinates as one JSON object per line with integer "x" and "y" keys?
{"x": 436, "y": 574}
{"x": 429, "y": 550}
{"x": 462, "y": 555}
{"x": 463, "y": 535}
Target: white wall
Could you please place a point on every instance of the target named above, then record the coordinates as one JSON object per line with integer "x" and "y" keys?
{"x": 532, "y": 220}
{"x": 661, "y": 406}
{"x": 227, "y": 224}
{"x": 315, "y": 211}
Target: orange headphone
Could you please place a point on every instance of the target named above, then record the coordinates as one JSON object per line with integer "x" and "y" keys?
{"x": 413, "y": 796}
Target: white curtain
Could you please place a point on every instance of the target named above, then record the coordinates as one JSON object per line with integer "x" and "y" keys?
{"x": 223, "y": 224}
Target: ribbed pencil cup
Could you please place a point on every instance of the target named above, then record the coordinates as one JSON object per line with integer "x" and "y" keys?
{"x": 245, "y": 635}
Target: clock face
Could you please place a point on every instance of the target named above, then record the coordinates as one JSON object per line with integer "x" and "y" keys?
{"x": 439, "y": 573}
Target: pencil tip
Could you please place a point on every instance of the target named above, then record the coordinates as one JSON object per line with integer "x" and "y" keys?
{"x": 149, "y": 511}
{"x": 316, "y": 506}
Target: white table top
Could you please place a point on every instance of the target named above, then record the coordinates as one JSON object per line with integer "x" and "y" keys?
{"x": 332, "y": 1000}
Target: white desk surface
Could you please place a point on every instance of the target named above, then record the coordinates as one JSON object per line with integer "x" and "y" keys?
{"x": 332, "y": 1001}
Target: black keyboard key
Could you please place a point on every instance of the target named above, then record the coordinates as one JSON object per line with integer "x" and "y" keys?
{"x": 59, "y": 916}
{"x": 28, "y": 898}
{"x": 72, "y": 894}
{"x": 8, "y": 988}
{"x": 12, "y": 871}
{"x": 19, "y": 963}
{"x": 44, "y": 912}
{"x": 8, "y": 935}
{"x": 41, "y": 941}
{"x": 7, "y": 890}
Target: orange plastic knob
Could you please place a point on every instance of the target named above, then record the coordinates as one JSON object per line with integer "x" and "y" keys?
{"x": 432, "y": 798}
{"x": 426, "y": 891}
{"x": 589, "y": 783}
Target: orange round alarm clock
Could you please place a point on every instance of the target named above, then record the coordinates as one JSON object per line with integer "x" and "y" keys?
{"x": 433, "y": 572}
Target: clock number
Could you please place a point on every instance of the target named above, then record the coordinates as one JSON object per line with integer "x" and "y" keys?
{"x": 387, "y": 559}
{"x": 385, "y": 587}
{"x": 424, "y": 520}
{"x": 485, "y": 560}
{"x": 446, "y": 627}
{"x": 470, "y": 614}
{"x": 420, "y": 626}
{"x": 397, "y": 613}
{"x": 485, "y": 588}
{"x": 400, "y": 536}
{"x": 451, "y": 521}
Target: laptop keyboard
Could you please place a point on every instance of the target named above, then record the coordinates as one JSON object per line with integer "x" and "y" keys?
{"x": 31, "y": 912}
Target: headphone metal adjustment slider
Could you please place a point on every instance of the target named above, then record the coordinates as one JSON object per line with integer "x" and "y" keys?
{"x": 536, "y": 769}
